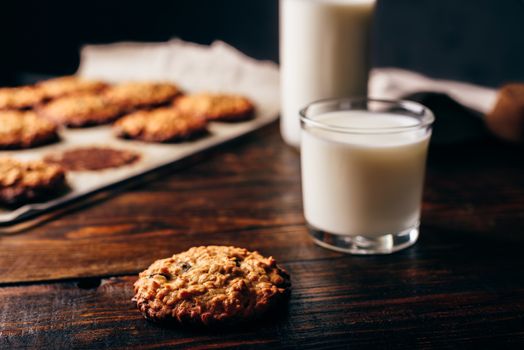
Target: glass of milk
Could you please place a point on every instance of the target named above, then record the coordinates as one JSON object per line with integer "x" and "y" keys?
{"x": 363, "y": 164}
{"x": 324, "y": 53}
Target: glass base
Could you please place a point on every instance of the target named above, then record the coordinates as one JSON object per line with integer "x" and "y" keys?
{"x": 361, "y": 245}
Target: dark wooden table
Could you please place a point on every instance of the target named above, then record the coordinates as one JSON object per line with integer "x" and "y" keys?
{"x": 67, "y": 282}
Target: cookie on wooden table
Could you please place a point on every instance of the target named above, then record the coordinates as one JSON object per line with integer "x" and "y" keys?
{"x": 22, "y": 182}
{"x": 133, "y": 95}
{"x": 78, "y": 111}
{"x": 24, "y": 129}
{"x": 23, "y": 97}
{"x": 69, "y": 85}
{"x": 211, "y": 285}
{"x": 92, "y": 158}
{"x": 216, "y": 107}
{"x": 163, "y": 124}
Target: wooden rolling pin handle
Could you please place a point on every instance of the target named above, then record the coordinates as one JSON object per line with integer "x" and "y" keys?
{"x": 506, "y": 119}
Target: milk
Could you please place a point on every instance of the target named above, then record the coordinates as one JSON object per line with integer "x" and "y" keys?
{"x": 324, "y": 53}
{"x": 362, "y": 183}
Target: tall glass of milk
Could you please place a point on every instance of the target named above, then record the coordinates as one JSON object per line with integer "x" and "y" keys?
{"x": 363, "y": 164}
{"x": 324, "y": 53}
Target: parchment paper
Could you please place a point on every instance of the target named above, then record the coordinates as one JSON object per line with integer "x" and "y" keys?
{"x": 218, "y": 67}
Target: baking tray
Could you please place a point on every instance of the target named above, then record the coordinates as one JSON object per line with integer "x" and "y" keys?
{"x": 153, "y": 156}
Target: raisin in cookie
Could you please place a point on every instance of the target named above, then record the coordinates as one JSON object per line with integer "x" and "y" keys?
{"x": 133, "y": 95}
{"x": 210, "y": 285}
{"x": 80, "y": 111}
{"x": 159, "y": 125}
{"x": 22, "y": 182}
{"x": 216, "y": 107}
{"x": 24, "y": 129}
{"x": 69, "y": 85}
{"x": 23, "y": 97}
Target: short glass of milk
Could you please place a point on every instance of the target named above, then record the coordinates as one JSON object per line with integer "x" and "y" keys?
{"x": 363, "y": 164}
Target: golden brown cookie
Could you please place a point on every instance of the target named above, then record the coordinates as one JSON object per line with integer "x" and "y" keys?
{"x": 78, "y": 111}
{"x": 216, "y": 107}
{"x": 70, "y": 85}
{"x": 24, "y": 129}
{"x": 92, "y": 158}
{"x": 159, "y": 125}
{"x": 22, "y": 182}
{"x": 23, "y": 97}
{"x": 210, "y": 285}
{"x": 133, "y": 95}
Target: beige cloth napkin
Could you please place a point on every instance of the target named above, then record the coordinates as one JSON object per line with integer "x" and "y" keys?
{"x": 394, "y": 83}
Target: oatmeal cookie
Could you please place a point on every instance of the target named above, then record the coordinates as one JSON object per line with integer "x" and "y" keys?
{"x": 160, "y": 125}
{"x": 24, "y": 129}
{"x": 216, "y": 107}
{"x": 92, "y": 158}
{"x": 133, "y": 95}
{"x": 22, "y": 182}
{"x": 80, "y": 111}
{"x": 69, "y": 85}
{"x": 210, "y": 285}
{"x": 24, "y": 97}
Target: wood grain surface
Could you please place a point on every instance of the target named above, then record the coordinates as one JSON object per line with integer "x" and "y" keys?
{"x": 461, "y": 285}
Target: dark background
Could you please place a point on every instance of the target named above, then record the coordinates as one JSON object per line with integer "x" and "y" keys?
{"x": 480, "y": 41}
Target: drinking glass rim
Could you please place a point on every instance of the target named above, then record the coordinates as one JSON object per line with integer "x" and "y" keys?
{"x": 425, "y": 119}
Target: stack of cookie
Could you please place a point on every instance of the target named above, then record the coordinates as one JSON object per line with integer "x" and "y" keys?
{"x": 185, "y": 118}
{"x": 147, "y": 111}
{"x": 21, "y": 123}
{"x": 77, "y": 103}
{"x": 31, "y": 116}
